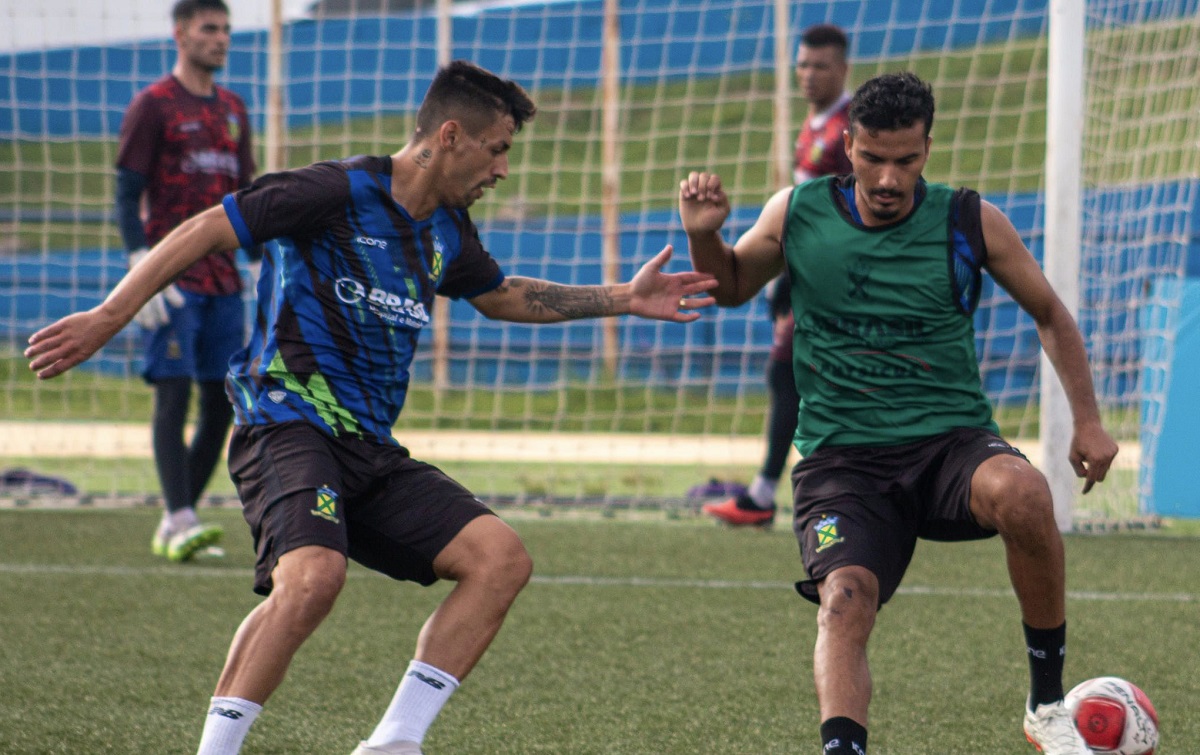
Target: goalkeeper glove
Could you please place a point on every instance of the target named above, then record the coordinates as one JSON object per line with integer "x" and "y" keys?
{"x": 155, "y": 313}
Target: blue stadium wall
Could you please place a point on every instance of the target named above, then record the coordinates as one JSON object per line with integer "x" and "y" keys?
{"x": 334, "y": 64}
{"x": 36, "y": 289}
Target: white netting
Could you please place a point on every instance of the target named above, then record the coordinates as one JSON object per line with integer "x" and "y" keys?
{"x": 696, "y": 91}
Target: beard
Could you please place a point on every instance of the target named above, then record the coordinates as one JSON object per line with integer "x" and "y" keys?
{"x": 886, "y": 213}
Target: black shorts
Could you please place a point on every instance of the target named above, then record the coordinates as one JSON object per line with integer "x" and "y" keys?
{"x": 867, "y": 505}
{"x": 371, "y": 502}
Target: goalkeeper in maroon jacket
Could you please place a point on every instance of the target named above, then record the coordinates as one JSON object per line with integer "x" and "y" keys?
{"x": 185, "y": 143}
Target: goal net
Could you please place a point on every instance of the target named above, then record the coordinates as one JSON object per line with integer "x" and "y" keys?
{"x": 623, "y": 412}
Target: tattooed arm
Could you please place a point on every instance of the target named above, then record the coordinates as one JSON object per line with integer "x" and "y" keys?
{"x": 652, "y": 294}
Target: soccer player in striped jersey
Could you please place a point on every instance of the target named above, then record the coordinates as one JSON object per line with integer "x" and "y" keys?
{"x": 363, "y": 245}
{"x": 897, "y": 437}
{"x": 185, "y": 143}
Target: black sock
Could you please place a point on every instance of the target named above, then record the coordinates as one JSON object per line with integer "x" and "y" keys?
{"x": 1047, "y": 649}
{"x": 843, "y": 736}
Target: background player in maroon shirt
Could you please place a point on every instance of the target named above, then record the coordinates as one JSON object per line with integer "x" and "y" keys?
{"x": 185, "y": 143}
{"x": 821, "y": 71}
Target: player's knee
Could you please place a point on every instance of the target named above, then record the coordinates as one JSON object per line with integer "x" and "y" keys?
{"x": 309, "y": 585}
{"x": 508, "y": 565}
{"x": 1028, "y": 507}
{"x": 849, "y": 602}
{"x": 487, "y": 551}
{"x": 1014, "y": 497}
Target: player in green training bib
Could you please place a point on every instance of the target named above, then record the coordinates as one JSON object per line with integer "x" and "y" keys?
{"x": 896, "y": 434}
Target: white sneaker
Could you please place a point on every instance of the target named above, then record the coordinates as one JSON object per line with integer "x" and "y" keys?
{"x": 391, "y": 748}
{"x": 1051, "y": 729}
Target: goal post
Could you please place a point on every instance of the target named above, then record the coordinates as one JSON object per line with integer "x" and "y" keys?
{"x": 1064, "y": 166}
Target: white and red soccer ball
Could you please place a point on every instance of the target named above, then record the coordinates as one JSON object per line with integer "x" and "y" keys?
{"x": 1114, "y": 716}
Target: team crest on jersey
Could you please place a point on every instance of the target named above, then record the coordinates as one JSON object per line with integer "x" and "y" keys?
{"x": 827, "y": 533}
{"x": 327, "y": 499}
{"x": 859, "y": 274}
{"x": 816, "y": 151}
{"x": 234, "y": 126}
{"x": 435, "y": 266}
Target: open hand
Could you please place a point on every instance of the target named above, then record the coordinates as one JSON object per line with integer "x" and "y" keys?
{"x": 57, "y": 348}
{"x": 668, "y": 296}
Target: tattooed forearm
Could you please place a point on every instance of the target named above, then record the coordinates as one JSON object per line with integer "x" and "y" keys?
{"x": 567, "y": 302}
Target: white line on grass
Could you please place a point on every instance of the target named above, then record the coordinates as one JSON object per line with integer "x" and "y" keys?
{"x": 193, "y": 570}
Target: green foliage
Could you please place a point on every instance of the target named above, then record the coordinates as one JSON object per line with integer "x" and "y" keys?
{"x": 638, "y": 635}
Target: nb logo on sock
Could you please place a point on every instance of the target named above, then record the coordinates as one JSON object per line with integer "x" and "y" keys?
{"x": 217, "y": 710}
{"x": 435, "y": 683}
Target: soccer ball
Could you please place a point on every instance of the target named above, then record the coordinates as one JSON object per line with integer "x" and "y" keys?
{"x": 1114, "y": 716}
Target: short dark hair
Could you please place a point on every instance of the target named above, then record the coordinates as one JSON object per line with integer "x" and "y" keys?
{"x": 472, "y": 95}
{"x": 892, "y": 101}
{"x": 825, "y": 35}
{"x": 185, "y": 9}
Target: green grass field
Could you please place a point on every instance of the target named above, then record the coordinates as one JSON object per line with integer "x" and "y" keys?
{"x": 639, "y": 634}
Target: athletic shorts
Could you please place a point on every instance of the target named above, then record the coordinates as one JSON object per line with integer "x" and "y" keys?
{"x": 370, "y": 502}
{"x": 198, "y": 341}
{"x": 867, "y": 505}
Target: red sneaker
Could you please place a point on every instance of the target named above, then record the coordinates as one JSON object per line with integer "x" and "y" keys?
{"x": 741, "y": 511}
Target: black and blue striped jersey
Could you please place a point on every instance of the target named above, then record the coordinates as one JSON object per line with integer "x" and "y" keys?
{"x": 344, "y": 294}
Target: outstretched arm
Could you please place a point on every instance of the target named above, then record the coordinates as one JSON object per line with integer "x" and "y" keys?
{"x": 748, "y": 265}
{"x": 57, "y": 348}
{"x": 1014, "y": 268}
{"x": 652, "y": 294}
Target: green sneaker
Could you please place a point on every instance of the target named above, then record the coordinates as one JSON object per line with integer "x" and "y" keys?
{"x": 159, "y": 543}
{"x": 183, "y": 545}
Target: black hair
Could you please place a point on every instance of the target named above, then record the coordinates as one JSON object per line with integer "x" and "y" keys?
{"x": 891, "y": 102}
{"x": 184, "y": 10}
{"x": 473, "y": 96}
{"x": 825, "y": 35}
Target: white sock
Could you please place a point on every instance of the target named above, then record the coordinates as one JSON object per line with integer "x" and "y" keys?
{"x": 418, "y": 700}
{"x": 228, "y": 720}
{"x": 762, "y": 491}
{"x": 178, "y": 521}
